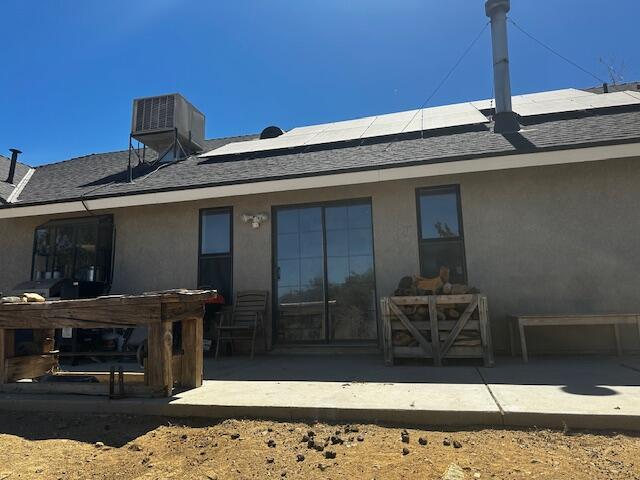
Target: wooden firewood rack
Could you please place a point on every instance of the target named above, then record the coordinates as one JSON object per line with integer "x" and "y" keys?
{"x": 433, "y": 338}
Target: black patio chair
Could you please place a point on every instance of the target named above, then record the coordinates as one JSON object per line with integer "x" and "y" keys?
{"x": 248, "y": 313}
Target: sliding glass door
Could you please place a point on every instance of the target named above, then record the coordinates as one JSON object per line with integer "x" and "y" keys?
{"x": 324, "y": 273}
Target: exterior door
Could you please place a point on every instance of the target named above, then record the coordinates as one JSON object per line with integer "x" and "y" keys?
{"x": 324, "y": 274}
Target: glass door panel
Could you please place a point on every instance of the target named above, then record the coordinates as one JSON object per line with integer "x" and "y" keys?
{"x": 351, "y": 284}
{"x": 300, "y": 274}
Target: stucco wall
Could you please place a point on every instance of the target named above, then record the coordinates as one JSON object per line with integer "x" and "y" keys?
{"x": 549, "y": 239}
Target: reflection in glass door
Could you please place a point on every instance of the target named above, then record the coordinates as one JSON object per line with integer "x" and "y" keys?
{"x": 324, "y": 273}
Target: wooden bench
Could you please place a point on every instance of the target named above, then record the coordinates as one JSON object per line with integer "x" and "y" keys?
{"x": 521, "y": 321}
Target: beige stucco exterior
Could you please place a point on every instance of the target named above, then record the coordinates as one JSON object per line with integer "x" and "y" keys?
{"x": 538, "y": 240}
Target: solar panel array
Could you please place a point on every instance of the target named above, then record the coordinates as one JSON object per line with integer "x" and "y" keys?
{"x": 461, "y": 114}
{"x": 361, "y": 128}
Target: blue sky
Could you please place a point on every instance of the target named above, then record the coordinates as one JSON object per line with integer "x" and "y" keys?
{"x": 70, "y": 68}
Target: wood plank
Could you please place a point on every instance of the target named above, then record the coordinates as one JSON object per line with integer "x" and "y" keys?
{"x": 454, "y": 352}
{"x": 387, "y": 335}
{"x": 28, "y": 366}
{"x": 485, "y": 331}
{"x": 409, "y": 326}
{"x": 158, "y": 366}
{"x": 571, "y": 320}
{"x": 440, "y": 299}
{"x": 443, "y": 325}
{"x": 113, "y": 300}
{"x": 453, "y": 334}
{"x": 103, "y": 377}
{"x": 193, "y": 353}
{"x": 97, "y": 317}
{"x": 435, "y": 332}
{"x": 80, "y": 388}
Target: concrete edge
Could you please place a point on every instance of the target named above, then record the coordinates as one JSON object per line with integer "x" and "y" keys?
{"x": 78, "y": 404}
{"x": 586, "y": 421}
{"x": 443, "y": 418}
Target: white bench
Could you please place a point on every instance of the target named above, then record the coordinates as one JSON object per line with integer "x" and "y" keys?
{"x": 615, "y": 320}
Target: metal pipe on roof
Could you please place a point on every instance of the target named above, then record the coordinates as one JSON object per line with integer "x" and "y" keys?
{"x": 12, "y": 167}
{"x": 505, "y": 119}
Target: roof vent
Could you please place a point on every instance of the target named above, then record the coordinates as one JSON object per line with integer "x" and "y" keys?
{"x": 271, "y": 132}
{"x": 505, "y": 120}
{"x": 12, "y": 166}
{"x": 169, "y": 125}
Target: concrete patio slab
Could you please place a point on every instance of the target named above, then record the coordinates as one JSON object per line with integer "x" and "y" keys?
{"x": 590, "y": 392}
{"x": 579, "y": 392}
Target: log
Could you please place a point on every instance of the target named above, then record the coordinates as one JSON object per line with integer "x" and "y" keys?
{"x": 459, "y": 289}
{"x": 29, "y": 366}
{"x": 79, "y": 388}
{"x": 453, "y": 314}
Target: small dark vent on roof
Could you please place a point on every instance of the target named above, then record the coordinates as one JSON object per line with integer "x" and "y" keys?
{"x": 271, "y": 132}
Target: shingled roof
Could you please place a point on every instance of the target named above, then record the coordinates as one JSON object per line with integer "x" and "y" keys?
{"x": 104, "y": 175}
{"x": 6, "y": 189}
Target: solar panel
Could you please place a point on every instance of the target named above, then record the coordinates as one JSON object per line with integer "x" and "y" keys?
{"x": 366, "y": 127}
{"x": 605, "y": 100}
{"x": 516, "y": 100}
{"x": 542, "y": 103}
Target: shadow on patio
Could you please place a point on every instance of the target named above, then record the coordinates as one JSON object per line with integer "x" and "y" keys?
{"x": 575, "y": 375}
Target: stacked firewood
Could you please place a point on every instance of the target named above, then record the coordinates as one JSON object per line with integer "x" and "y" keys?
{"x": 419, "y": 314}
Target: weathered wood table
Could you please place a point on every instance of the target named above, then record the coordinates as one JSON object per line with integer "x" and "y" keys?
{"x": 157, "y": 311}
{"x": 522, "y": 321}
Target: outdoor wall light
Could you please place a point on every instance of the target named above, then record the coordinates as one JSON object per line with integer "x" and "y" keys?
{"x": 255, "y": 220}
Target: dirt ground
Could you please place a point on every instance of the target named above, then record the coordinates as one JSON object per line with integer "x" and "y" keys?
{"x": 122, "y": 447}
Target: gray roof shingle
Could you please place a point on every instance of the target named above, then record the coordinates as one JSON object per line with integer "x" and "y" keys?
{"x": 102, "y": 175}
{"x": 6, "y": 188}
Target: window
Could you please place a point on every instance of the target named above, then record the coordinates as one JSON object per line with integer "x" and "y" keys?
{"x": 440, "y": 232}
{"x": 80, "y": 249}
{"x": 215, "y": 268}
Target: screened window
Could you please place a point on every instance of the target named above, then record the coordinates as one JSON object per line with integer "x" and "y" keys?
{"x": 441, "y": 234}
{"x": 216, "y": 254}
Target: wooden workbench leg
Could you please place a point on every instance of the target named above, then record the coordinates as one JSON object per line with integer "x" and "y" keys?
{"x": 192, "y": 357}
{"x": 616, "y": 332}
{"x": 523, "y": 343}
{"x": 158, "y": 367}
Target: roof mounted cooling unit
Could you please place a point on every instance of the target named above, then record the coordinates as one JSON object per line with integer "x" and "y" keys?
{"x": 168, "y": 124}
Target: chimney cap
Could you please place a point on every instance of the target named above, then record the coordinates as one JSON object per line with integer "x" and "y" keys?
{"x": 491, "y": 5}
{"x": 15, "y": 150}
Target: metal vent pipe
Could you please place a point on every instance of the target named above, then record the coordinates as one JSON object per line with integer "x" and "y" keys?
{"x": 505, "y": 119}
{"x": 12, "y": 167}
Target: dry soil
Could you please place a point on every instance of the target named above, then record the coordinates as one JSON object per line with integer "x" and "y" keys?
{"x": 121, "y": 447}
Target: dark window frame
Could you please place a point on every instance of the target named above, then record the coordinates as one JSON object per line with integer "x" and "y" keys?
{"x": 75, "y": 222}
{"x": 274, "y": 280}
{"x": 201, "y": 213}
{"x": 435, "y": 190}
